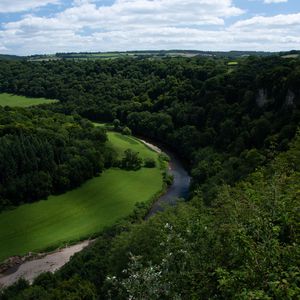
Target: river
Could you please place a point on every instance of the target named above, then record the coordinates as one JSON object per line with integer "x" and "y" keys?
{"x": 179, "y": 188}
{"x": 53, "y": 261}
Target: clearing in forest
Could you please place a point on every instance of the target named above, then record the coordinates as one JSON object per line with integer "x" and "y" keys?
{"x": 21, "y": 101}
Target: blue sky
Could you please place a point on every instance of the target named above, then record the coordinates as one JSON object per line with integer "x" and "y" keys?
{"x": 50, "y": 26}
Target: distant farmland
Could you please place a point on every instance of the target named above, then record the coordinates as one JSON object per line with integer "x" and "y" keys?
{"x": 151, "y": 54}
{"x": 21, "y": 101}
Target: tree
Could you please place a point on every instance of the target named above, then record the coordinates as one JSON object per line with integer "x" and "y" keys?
{"x": 149, "y": 163}
{"x": 116, "y": 124}
{"x": 131, "y": 160}
{"x": 126, "y": 131}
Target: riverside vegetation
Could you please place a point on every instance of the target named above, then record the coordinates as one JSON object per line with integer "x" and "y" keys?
{"x": 235, "y": 126}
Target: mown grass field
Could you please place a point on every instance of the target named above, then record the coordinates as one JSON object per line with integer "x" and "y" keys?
{"x": 20, "y": 101}
{"x": 233, "y": 63}
{"x": 77, "y": 214}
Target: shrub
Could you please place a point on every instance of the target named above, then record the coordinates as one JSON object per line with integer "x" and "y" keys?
{"x": 149, "y": 163}
{"x": 126, "y": 131}
{"x": 131, "y": 160}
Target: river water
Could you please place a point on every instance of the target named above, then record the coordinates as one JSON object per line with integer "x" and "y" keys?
{"x": 178, "y": 189}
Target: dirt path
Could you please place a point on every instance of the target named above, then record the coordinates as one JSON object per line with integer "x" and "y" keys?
{"x": 49, "y": 263}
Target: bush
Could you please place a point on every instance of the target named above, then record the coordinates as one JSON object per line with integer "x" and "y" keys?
{"x": 116, "y": 124}
{"x": 149, "y": 163}
{"x": 164, "y": 157}
{"x": 168, "y": 178}
{"x": 126, "y": 131}
{"x": 131, "y": 160}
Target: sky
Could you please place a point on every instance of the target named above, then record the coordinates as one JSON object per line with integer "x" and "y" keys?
{"x": 49, "y": 26}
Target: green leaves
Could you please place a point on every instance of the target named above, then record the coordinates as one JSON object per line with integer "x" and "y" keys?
{"x": 131, "y": 160}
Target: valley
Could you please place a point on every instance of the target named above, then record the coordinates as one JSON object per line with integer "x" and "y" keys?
{"x": 76, "y": 171}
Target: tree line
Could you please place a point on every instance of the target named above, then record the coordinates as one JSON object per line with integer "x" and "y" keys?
{"x": 43, "y": 153}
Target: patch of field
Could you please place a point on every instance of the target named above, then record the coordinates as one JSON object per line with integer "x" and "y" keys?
{"x": 181, "y": 54}
{"x": 233, "y": 63}
{"x": 21, "y": 101}
{"x": 94, "y": 56}
{"x": 108, "y": 54}
{"x": 77, "y": 214}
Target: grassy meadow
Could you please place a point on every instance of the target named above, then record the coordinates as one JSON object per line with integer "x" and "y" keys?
{"x": 21, "y": 101}
{"x": 233, "y": 63}
{"x": 82, "y": 212}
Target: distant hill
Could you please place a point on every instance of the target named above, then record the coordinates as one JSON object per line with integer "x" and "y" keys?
{"x": 162, "y": 53}
{"x": 11, "y": 57}
{"x": 290, "y": 54}
{"x": 140, "y": 54}
{"x": 158, "y": 54}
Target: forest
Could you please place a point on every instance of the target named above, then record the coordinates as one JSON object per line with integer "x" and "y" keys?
{"x": 43, "y": 153}
{"x": 221, "y": 119}
{"x": 234, "y": 125}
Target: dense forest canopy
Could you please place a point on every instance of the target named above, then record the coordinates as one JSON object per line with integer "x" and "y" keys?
{"x": 43, "y": 153}
{"x": 235, "y": 126}
{"x": 220, "y": 118}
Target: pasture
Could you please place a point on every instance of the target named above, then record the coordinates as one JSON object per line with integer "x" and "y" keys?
{"x": 21, "y": 101}
{"x": 82, "y": 212}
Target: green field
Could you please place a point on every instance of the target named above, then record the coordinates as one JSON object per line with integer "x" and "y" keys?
{"x": 82, "y": 212}
{"x": 21, "y": 101}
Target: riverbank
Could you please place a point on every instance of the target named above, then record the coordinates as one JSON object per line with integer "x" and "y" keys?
{"x": 50, "y": 262}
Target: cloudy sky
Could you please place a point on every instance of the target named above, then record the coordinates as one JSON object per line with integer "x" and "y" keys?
{"x": 50, "y": 26}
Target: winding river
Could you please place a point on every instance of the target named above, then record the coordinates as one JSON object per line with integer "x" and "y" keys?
{"x": 53, "y": 261}
{"x": 178, "y": 189}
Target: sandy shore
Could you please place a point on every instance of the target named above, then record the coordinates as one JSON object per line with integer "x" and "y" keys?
{"x": 49, "y": 263}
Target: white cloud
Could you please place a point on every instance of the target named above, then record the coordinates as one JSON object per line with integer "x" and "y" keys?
{"x": 273, "y": 22}
{"x": 111, "y": 25}
{"x": 154, "y": 13}
{"x": 3, "y": 48}
{"x": 145, "y": 24}
{"x": 278, "y": 32}
{"x": 275, "y": 1}
{"x": 9, "y": 6}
